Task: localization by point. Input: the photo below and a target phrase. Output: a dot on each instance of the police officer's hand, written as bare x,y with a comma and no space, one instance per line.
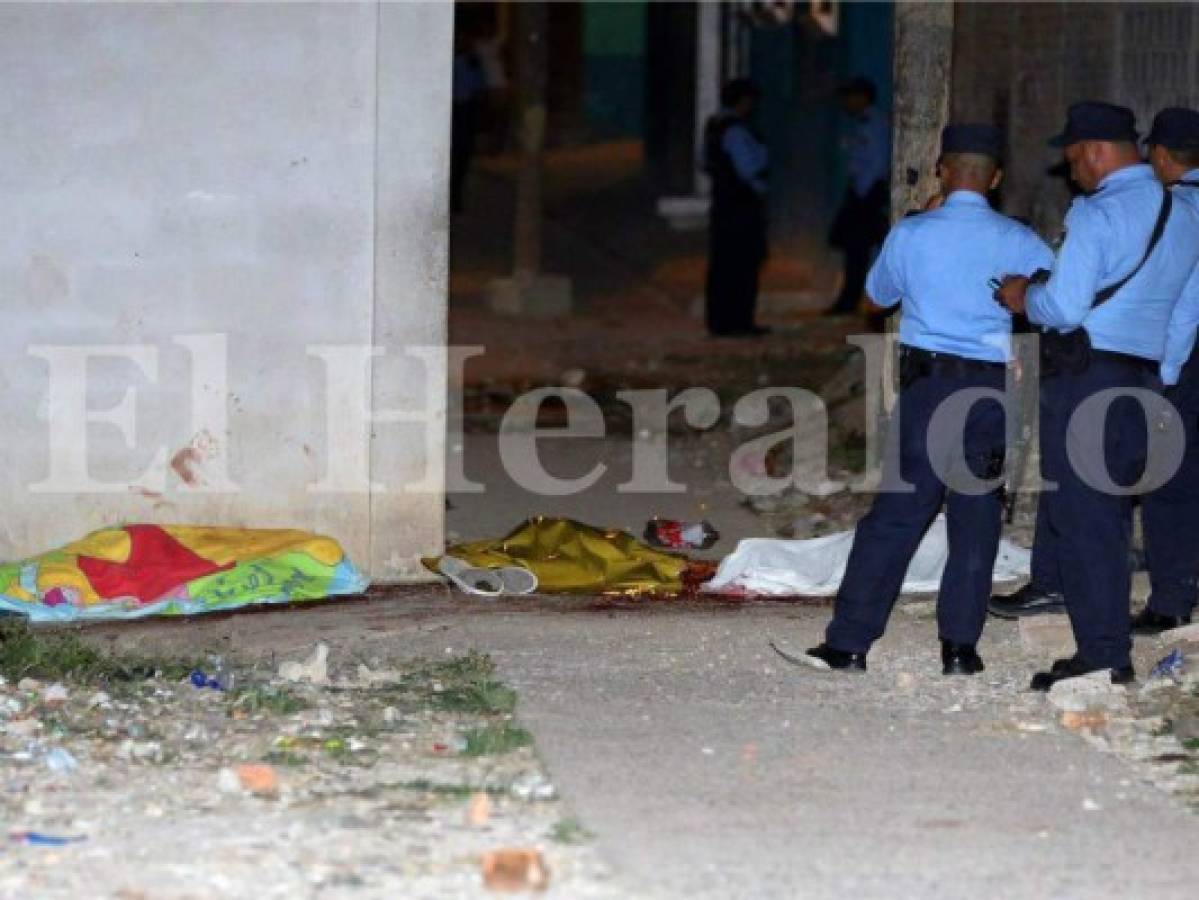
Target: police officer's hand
1011,293
934,202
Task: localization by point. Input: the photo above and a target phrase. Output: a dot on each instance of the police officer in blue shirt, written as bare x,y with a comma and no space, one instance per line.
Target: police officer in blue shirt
737,162
1104,312
861,222
953,338
1170,514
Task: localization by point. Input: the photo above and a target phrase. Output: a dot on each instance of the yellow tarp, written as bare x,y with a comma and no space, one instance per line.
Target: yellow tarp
568,556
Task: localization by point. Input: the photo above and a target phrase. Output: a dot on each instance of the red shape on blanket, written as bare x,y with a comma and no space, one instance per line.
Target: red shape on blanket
156,565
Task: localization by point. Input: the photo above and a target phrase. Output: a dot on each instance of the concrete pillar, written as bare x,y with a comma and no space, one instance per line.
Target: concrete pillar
923,60
207,195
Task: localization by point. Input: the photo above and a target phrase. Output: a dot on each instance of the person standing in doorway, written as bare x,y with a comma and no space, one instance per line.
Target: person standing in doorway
861,223
469,88
736,159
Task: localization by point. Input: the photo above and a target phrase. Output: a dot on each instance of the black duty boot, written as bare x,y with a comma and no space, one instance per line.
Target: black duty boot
1148,621
1073,668
960,659
1030,600
839,659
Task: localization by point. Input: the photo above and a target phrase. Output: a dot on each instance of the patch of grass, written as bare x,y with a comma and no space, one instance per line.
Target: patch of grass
497,739
570,831
1191,743
27,652
1190,768
485,696
266,699
464,684
450,791
288,758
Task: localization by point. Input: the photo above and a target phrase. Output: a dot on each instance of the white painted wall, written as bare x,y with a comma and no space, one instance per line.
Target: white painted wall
273,173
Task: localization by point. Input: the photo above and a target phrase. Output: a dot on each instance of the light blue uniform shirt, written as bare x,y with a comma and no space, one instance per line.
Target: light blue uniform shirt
939,262
748,154
1184,319
1106,236
869,158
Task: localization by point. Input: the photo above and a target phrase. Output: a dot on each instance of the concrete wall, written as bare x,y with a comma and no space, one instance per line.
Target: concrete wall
272,174
1021,64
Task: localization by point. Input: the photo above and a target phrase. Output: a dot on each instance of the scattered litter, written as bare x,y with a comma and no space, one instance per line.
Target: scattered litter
800,659
99,700
675,535
478,812
221,679
814,567
314,669
227,781
55,695
532,786
29,685
38,839
1090,719
61,761
515,870
199,678
1090,805
1169,666
141,570
259,779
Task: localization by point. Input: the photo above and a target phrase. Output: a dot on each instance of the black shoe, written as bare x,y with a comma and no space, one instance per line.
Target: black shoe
839,659
1074,667
1030,600
960,659
1147,621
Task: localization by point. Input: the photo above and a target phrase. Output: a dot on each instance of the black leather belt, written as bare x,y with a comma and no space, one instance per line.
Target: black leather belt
1127,359
946,363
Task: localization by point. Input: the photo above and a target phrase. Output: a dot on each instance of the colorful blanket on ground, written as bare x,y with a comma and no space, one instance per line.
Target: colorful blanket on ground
143,570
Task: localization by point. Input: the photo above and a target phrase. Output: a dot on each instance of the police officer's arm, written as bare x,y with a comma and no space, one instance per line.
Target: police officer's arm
1180,335
748,156
885,283
1064,301
1034,253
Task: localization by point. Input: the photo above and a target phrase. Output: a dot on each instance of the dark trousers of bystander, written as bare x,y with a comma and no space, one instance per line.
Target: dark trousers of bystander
887,537
736,251
1088,525
1170,513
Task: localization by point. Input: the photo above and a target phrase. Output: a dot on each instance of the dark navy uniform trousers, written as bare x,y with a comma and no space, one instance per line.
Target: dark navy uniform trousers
1083,527
887,537
1170,514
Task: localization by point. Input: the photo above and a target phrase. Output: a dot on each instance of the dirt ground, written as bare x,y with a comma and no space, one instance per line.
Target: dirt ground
695,762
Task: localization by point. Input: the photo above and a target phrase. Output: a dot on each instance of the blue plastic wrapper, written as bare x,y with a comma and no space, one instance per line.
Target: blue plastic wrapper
1169,666
37,839
201,679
